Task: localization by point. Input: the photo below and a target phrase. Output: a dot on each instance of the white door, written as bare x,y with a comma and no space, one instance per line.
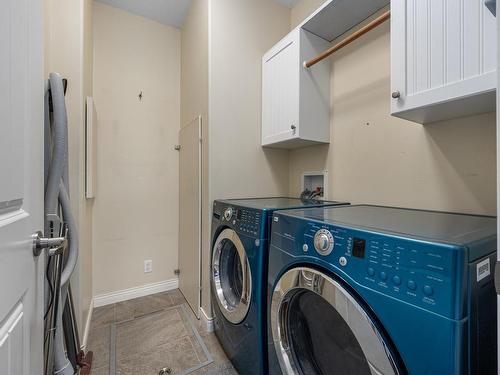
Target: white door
190,214
21,186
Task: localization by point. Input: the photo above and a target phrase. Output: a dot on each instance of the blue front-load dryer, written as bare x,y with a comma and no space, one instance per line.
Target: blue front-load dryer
379,290
240,231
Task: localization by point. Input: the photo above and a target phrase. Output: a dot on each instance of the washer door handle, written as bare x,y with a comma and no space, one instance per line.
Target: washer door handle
245,287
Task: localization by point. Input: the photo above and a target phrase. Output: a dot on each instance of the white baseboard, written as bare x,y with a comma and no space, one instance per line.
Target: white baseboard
208,321
86,330
140,291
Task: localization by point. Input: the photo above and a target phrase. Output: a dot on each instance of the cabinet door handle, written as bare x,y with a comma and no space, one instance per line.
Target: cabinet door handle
396,94
293,127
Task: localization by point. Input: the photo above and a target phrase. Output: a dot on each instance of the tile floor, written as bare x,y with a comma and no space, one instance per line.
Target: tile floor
149,333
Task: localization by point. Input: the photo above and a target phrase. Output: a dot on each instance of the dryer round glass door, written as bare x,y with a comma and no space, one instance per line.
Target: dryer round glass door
231,277
318,327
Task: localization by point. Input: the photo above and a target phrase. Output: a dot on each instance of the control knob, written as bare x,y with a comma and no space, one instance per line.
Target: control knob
323,242
228,213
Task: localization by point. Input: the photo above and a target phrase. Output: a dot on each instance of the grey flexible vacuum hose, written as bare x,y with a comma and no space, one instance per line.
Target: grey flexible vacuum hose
57,186
72,234
59,145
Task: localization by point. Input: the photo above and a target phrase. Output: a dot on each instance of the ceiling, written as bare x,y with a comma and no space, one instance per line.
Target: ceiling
168,12
288,3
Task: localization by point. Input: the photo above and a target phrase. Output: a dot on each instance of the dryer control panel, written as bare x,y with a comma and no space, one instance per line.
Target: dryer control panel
246,221
430,275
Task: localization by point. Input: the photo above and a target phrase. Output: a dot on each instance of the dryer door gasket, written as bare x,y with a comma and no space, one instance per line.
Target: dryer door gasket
231,276
318,327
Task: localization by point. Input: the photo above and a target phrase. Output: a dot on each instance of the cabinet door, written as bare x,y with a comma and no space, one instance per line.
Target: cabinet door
442,51
280,92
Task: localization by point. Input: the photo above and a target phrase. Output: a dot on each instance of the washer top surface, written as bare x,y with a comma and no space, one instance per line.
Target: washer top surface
452,228
279,203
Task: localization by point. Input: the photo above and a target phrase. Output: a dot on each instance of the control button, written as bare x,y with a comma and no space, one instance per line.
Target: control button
371,272
428,291
305,247
383,275
396,280
343,261
411,285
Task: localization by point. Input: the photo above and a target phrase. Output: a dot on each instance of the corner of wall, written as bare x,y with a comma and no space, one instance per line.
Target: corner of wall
302,10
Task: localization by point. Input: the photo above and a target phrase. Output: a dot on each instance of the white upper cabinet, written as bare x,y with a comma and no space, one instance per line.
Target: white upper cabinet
443,59
295,100
280,92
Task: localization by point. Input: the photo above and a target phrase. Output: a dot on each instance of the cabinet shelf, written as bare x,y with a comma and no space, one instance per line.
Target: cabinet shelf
335,17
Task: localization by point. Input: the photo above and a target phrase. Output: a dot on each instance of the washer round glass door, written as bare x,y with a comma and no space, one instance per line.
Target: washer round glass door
318,327
231,276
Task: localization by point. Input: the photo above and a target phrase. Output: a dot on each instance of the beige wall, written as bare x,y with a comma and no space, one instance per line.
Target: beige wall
303,9
68,50
243,168
136,204
194,63
194,100
241,31
379,159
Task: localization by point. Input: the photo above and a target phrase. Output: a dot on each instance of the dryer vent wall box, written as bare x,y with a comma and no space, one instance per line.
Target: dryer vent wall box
295,100
313,181
443,59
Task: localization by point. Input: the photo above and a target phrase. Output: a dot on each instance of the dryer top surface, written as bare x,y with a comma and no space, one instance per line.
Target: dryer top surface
453,228
279,203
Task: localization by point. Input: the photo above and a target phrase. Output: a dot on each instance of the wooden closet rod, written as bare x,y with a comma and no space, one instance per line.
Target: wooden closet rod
351,38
